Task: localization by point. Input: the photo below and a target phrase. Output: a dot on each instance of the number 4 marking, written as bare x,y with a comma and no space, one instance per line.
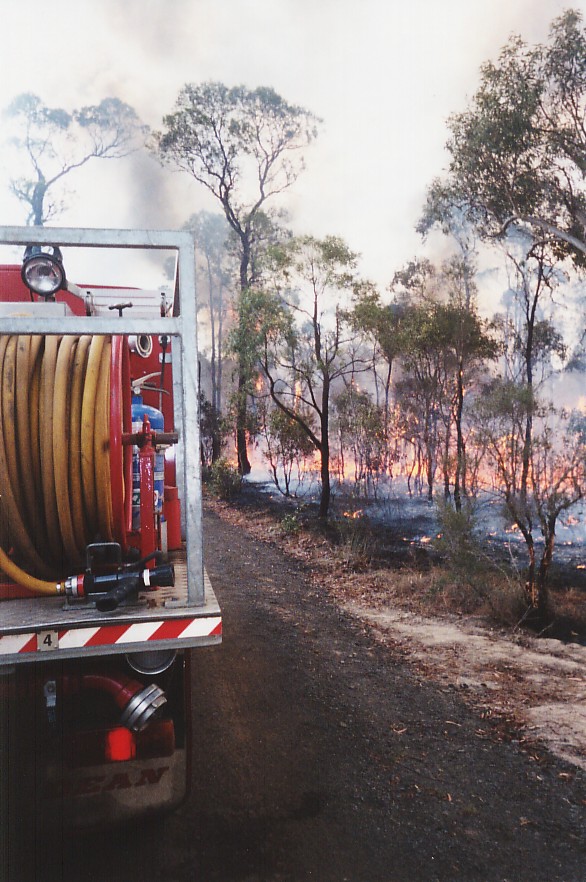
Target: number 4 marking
47,640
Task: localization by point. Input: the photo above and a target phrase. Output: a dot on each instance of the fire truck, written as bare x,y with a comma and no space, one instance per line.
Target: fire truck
103,592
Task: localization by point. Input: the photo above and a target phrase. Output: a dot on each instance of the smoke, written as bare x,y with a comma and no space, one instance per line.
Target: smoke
384,76
156,198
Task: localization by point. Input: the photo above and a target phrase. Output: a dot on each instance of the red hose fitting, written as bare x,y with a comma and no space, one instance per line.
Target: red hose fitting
122,689
138,703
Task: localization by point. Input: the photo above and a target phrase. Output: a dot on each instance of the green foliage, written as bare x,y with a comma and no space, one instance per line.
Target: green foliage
517,152
290,524
443,345
355,540
289,433
507,401
316,348
362,428
264,325
224,480
241,144
382,322
456,540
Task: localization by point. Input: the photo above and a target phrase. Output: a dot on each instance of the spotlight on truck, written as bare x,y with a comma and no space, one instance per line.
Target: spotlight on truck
42,271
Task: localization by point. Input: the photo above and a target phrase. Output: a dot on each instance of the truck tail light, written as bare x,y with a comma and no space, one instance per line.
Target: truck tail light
120,745
101,746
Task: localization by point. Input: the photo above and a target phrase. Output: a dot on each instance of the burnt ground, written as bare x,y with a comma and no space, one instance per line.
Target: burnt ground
321,753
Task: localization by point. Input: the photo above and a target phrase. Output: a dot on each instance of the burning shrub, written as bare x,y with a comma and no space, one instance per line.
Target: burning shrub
355,541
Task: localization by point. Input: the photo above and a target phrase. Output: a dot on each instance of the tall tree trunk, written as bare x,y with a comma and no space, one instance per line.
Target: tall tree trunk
446,462
530,585
388,457
212,332
324,502
38,201
460,473
218,400
542,592
244,466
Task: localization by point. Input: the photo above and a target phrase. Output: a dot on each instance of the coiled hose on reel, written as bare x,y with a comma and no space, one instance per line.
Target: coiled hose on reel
55,468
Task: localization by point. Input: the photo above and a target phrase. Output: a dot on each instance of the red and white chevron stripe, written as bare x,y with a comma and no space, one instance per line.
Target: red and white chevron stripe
111,635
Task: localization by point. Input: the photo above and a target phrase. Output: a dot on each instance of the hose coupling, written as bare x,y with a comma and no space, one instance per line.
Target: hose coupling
142,707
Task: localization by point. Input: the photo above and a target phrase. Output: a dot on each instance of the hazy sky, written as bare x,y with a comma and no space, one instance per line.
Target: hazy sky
383,75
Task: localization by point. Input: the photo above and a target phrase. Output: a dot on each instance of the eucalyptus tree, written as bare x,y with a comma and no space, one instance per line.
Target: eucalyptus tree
381,323
441,344
518,152
423,390
54,142
245,147
538,459
302,340
288,447
470,347
555,481
361,427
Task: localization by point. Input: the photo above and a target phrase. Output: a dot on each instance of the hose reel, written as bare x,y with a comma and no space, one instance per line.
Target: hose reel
65,474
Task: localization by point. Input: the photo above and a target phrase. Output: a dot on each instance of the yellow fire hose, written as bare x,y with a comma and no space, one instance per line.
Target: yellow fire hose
55,489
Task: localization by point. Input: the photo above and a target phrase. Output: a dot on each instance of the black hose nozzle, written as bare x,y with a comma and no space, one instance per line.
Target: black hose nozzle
162,576
109,601
111,589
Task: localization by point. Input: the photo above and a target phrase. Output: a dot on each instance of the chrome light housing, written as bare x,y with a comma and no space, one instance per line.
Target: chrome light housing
154,662
42,272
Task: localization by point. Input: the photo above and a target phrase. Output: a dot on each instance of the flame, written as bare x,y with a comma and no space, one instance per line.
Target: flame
354,515
297,390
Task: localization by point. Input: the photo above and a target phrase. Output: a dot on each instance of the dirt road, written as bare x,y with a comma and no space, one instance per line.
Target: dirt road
319,755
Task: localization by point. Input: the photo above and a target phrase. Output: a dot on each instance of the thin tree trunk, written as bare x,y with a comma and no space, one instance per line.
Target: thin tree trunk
460,473
542,592
218,401
244,466
324,502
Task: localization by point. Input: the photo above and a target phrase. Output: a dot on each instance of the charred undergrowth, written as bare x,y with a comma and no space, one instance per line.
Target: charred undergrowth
414,565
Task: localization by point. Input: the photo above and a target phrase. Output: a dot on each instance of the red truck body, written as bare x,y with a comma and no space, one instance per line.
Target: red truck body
94,681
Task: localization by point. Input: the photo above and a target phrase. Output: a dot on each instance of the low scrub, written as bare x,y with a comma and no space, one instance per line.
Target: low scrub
224,480
473,579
